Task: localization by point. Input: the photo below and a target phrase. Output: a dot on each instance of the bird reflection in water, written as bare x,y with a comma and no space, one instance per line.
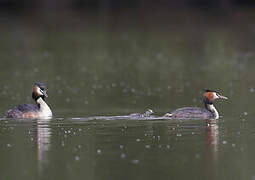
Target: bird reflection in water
42,140
212,139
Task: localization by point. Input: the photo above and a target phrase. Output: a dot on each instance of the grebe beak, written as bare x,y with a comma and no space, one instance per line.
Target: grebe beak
222,97
44,93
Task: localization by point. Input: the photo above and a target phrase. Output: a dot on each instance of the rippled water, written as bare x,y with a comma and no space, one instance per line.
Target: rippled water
116,149
100,67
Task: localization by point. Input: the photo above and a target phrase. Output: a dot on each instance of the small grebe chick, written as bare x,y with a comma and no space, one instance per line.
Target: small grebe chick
209,112
40,110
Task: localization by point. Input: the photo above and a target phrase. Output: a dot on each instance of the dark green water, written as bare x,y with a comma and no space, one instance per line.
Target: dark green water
109,64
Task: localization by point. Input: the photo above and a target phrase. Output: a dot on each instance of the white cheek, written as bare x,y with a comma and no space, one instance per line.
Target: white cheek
39,91
215,96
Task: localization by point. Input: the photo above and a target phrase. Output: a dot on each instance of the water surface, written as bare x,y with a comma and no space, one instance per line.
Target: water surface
109,65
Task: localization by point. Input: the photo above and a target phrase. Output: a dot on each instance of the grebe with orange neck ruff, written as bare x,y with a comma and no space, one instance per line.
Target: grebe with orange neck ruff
31,111
209,112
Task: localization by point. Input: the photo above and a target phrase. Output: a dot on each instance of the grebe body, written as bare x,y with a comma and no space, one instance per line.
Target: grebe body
209,112
30,111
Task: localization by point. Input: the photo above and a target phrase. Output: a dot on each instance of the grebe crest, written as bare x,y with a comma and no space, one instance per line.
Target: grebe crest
40,110
210,112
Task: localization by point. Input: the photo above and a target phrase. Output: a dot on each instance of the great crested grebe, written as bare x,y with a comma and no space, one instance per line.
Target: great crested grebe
40,110
209,112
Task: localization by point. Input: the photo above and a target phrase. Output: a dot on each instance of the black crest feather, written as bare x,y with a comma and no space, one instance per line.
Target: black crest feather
207,90
40,85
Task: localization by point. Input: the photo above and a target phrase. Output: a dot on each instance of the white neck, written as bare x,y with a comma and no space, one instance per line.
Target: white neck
211,108
44,110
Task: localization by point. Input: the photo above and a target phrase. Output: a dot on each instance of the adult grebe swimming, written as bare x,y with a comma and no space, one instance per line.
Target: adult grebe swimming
209,112
40,110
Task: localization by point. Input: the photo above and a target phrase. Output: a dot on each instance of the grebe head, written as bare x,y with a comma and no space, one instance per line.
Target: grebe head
210,96
39,90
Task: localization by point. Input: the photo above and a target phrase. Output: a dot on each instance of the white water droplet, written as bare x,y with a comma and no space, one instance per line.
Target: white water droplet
122,155
224,142
135,161
99,151
9,145
147,146
77,158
